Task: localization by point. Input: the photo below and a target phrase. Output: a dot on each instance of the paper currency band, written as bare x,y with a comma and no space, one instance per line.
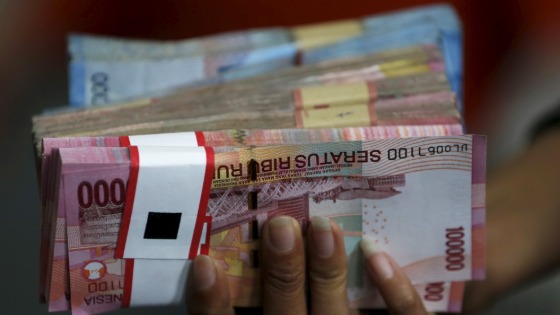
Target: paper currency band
315,97
149,282
363,114
128,275
188,139
153,225
202,219
129,201
140,278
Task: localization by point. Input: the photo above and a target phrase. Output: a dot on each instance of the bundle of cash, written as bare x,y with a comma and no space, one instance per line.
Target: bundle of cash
106,70
356,120
405,84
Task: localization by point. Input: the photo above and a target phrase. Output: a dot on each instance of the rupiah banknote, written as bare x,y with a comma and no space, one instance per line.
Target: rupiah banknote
446,20
407,63
367,187
361,110
103,81
279,105
302,104
394,78
105,70
54,270
84,46
383,90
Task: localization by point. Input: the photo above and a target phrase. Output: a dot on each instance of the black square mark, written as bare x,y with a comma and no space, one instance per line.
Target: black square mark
162,225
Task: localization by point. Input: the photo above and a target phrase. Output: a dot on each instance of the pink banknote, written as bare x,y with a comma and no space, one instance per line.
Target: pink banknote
354,183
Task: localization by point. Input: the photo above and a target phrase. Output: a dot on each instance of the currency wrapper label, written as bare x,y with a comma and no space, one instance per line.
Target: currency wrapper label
167,232
172,225
187,139
321,34
334,95
353,115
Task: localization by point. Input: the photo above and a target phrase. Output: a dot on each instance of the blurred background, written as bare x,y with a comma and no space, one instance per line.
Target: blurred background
512,78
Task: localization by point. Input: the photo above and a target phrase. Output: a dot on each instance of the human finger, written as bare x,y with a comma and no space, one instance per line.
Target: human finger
283,267
327,268
207,288
395,287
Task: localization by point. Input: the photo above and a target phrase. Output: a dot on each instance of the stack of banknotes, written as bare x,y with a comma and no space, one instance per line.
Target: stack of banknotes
174,149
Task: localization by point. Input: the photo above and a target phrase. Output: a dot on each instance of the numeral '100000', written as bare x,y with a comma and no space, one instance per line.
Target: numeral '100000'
455,252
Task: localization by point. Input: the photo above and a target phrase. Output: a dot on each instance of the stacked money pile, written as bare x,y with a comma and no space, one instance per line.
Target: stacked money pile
359,121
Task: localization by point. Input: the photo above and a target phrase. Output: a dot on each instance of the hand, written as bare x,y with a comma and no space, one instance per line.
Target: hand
395,287
284,274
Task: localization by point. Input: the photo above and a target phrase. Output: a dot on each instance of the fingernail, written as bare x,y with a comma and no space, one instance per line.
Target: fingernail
376,258
281,233
323,239
204,273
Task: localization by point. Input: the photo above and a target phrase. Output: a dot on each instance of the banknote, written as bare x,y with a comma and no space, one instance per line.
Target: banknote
259,61
386,64
392,174
427,32
209,55
443,15
444,297
84,46
441,113
375,98
54,264
424,33
102,81
304,73
354,105
274,109
101,66
373,72
446,20
322,34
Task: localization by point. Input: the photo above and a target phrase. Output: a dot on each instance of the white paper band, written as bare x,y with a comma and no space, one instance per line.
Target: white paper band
159,282
166,202
186,139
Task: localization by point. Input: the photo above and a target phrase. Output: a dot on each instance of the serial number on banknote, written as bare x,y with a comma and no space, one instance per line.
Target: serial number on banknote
403,153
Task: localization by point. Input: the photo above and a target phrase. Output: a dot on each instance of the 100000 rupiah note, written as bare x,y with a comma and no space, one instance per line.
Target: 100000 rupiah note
55,270
398,191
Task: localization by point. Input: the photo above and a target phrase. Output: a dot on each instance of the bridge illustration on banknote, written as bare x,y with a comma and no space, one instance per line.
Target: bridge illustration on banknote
232,207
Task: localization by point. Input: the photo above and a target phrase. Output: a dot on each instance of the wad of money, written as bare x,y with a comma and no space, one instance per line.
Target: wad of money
359,121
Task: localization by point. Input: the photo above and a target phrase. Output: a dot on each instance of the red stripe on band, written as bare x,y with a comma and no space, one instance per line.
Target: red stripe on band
201,217
205,248
129,202
298,99
298,116
200,138
124,141
128,275
372,113
372,91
